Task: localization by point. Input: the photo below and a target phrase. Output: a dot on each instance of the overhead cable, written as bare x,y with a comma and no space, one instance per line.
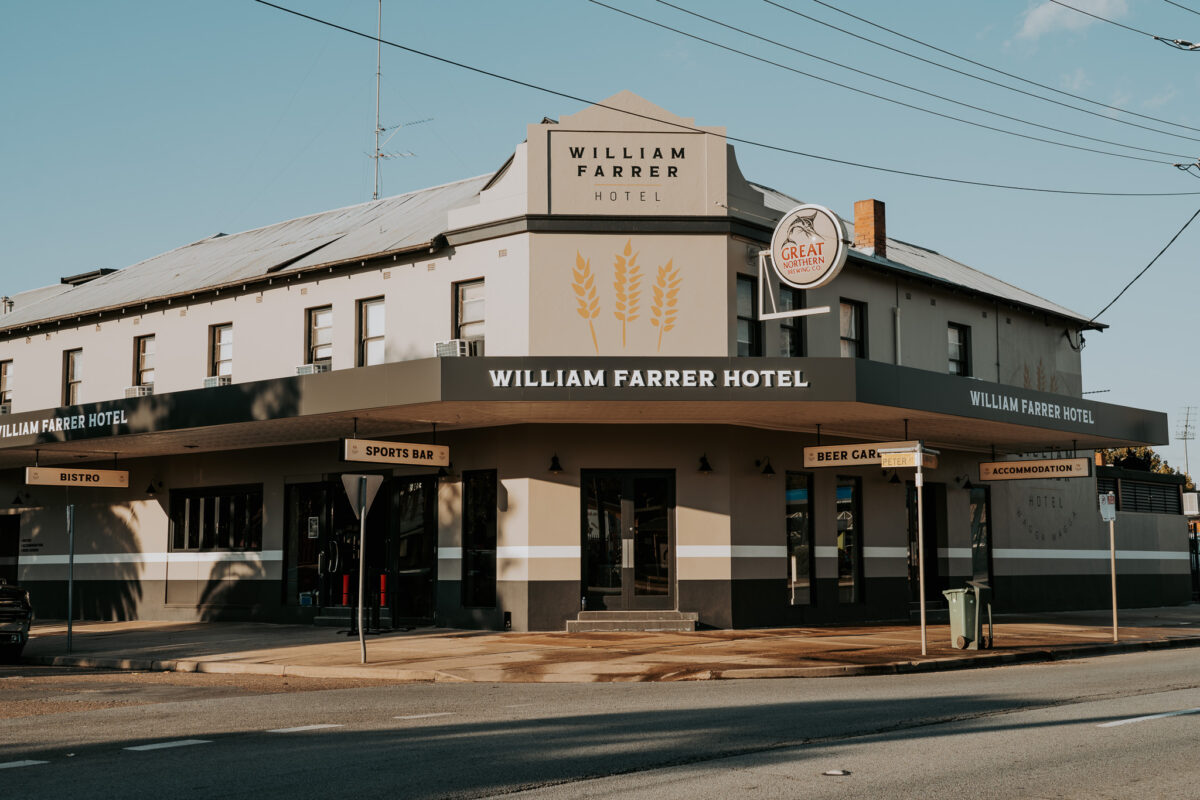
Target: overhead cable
1148,266
726,137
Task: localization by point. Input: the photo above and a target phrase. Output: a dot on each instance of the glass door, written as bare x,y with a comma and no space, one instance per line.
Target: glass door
628,539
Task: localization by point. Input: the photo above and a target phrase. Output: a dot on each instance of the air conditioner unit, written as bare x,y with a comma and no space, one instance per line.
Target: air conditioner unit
312,369
144,390
6,408
455,348
213,381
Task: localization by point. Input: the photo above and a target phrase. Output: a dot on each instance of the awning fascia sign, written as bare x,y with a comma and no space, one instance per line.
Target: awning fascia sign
62,476
840,455
380,452
1035,468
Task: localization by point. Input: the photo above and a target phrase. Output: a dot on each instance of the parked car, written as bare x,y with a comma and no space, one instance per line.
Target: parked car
16,615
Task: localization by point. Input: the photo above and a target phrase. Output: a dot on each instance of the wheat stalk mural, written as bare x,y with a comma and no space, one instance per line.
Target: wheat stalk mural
666,298
585,294
627,284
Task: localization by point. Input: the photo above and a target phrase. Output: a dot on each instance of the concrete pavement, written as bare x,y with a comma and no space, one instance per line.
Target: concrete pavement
433,654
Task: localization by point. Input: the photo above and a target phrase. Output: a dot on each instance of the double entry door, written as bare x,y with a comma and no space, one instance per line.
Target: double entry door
628,530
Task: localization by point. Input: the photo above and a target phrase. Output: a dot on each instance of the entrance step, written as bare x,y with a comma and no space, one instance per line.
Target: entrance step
590,621
339,617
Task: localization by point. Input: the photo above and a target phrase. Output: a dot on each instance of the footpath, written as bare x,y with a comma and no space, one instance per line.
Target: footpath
439,654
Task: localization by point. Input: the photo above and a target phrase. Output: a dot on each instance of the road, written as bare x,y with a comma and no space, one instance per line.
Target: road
1025,732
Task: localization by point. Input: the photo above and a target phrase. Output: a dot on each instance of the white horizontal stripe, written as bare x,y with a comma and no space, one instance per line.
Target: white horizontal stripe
165,745
26,763
1115,723
759,551
300,728
428,716
703,551
538,551
954,552
154,558
1164,555
449,553
885,552
825,551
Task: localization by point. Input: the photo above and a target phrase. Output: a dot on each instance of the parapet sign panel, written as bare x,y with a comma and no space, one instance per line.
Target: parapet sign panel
427,455
52,476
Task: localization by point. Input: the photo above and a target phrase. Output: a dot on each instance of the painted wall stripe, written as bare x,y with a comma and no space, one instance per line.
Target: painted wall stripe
703,551
954,552
825,551
538,551
885,552
449,553
759,551
35,559
1155,555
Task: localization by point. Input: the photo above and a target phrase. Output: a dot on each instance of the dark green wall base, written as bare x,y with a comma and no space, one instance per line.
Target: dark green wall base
1081,592
765,603
711,599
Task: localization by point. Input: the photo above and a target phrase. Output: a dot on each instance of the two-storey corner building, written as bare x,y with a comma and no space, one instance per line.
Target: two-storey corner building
582,331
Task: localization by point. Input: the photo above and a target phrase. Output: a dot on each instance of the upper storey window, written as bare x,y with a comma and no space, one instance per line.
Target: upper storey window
72,362
143,360
853,328
959,343
469,313
319,345
749,329
370,332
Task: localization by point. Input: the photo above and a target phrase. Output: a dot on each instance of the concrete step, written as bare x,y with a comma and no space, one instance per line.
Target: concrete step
591,621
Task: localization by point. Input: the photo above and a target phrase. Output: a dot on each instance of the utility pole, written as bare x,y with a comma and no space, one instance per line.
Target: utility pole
1185,433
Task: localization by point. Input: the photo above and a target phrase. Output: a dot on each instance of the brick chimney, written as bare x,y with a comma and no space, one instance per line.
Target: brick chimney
870,227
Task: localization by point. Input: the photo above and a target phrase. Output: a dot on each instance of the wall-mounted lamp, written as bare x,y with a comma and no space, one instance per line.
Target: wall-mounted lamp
895,477
20,500
555,466
444,474
705,467
964,481
152,488
767,469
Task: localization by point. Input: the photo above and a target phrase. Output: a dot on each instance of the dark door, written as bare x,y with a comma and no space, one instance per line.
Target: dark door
1194,544
10,547
628,530
410,584
934,503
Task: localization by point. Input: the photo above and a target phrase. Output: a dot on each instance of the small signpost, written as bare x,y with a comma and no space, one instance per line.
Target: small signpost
360,491
1108,513
67,477
915,454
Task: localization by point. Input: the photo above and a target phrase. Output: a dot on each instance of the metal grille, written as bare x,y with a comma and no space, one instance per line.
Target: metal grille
1152,498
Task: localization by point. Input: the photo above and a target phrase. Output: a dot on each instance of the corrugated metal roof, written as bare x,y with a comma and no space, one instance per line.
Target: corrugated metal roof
360,231
929,264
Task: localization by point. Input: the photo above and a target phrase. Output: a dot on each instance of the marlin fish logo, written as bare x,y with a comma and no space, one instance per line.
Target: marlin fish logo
803,226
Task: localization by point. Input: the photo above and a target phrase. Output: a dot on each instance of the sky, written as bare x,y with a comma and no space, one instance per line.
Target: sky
131,127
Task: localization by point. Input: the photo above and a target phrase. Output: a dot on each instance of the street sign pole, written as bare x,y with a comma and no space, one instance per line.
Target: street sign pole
362,560
921,550
70,571
915,454
1108,513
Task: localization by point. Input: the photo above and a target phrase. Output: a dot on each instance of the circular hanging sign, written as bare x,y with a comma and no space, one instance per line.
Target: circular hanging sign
808,247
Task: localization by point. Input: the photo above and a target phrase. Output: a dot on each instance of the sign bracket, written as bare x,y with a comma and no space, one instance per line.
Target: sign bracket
775,313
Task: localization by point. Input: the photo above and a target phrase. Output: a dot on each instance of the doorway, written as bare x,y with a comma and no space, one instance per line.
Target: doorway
934,524
628,533
10,547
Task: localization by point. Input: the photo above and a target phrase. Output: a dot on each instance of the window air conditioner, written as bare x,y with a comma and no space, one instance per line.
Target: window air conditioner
144,390
312,369
455,348
6,408
213,381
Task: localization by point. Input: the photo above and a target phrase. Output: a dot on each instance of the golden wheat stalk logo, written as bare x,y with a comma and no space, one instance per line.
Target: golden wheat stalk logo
627,284
585,294
666,297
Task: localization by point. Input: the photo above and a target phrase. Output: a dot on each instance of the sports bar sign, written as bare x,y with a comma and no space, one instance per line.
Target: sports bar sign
55,476
843,454
1038,468
427,455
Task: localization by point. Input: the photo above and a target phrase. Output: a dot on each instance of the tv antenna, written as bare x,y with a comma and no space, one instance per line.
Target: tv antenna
1186,432
379,155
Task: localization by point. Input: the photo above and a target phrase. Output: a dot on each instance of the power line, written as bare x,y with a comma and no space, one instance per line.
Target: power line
991,69
1147,267
1105,19
726,137
906,86
1185,8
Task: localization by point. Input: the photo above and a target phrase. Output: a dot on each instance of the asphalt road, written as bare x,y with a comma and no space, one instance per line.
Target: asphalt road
1027,731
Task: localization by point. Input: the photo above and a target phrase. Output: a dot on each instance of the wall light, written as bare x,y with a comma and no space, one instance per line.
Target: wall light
895,477
152,488
767,469
555,466
705,467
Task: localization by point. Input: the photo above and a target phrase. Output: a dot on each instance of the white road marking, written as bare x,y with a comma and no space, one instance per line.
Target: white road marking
427,716
304,728
10,764
165,745
1115,723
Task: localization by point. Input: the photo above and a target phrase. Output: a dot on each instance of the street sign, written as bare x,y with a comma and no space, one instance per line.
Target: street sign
357,499
63,476
897,460
1108,506
839,455
428,455
1035,468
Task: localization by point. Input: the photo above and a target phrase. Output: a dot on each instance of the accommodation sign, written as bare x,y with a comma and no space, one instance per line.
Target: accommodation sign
848,454
428,455
55,476
1038,468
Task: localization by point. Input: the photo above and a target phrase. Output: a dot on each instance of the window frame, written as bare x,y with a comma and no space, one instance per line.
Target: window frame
859,339
457,316
139,365
474,557
70,376
214,495
857,584
6,373
797,325
809,479
214,353
964,343
361,334
754,345
310,329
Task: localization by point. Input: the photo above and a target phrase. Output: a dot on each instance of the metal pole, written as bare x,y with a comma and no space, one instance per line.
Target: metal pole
70,571
378,74
362,560
1112,563
921,545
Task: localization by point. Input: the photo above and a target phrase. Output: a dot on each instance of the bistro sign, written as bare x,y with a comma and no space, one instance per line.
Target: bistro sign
54,476
808,247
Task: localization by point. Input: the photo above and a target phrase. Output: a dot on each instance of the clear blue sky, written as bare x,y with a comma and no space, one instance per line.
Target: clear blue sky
132,127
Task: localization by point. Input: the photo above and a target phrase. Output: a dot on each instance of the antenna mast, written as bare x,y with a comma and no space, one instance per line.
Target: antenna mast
378,74
1185,433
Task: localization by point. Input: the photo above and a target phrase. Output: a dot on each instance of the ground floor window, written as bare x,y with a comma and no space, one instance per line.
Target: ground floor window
849,539
798,510
981,535
479,539
217,518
